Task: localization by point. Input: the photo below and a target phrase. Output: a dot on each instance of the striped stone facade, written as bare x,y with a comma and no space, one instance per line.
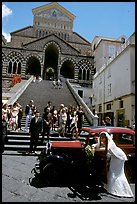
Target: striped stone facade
53,43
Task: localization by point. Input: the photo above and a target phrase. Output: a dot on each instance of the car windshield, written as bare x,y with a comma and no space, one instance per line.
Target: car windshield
122,138
83,132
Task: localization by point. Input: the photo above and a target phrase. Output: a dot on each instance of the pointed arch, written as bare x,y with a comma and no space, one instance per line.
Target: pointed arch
84,70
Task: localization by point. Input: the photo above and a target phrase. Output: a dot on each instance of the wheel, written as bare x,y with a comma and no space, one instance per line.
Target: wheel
51,173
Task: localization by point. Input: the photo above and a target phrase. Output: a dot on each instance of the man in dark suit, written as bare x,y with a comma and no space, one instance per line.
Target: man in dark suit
35,131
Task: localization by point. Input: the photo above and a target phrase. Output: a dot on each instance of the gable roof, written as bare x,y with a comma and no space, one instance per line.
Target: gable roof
81,37
53,5
47,37
22,29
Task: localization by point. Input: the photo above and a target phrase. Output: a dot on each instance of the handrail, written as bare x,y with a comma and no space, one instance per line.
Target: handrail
93,119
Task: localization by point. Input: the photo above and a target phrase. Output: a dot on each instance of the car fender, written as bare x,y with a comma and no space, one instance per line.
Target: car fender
56,159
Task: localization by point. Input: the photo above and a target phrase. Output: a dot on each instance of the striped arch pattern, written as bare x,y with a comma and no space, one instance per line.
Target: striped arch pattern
84,70
3,57
68,59
33,55
4,63
53,43
15,61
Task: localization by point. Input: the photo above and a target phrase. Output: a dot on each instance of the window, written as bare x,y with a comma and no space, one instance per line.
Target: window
109,106
109,89
88,74
123,40
109,73
14,68
100,108
10,67
123,138
84,74
90,100
80,74
65,36
121,104
80,93
19,68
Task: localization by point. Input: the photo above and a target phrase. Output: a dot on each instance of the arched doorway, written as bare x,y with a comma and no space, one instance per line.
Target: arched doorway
67,69
33,66
51,62
50,72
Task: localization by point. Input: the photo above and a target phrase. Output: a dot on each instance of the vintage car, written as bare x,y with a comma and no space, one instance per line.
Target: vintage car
73,161
70,162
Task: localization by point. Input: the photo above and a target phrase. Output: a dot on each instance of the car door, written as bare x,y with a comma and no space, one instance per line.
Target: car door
101,161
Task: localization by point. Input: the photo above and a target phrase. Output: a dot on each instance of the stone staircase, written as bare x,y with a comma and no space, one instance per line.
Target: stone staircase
19,142
41,93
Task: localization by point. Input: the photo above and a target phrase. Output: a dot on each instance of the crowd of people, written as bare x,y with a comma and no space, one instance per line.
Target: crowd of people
64,120
12,115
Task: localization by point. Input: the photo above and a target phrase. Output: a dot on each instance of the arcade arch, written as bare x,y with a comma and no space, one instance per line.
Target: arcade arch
33,66
50,69
67,69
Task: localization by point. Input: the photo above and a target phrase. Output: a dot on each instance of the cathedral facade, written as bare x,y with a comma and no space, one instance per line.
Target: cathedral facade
50,48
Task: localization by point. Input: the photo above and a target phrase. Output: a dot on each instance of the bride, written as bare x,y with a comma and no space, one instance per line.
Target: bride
117,183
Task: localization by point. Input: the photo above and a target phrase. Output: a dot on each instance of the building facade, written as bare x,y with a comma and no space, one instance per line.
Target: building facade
49,48
114,86
104,48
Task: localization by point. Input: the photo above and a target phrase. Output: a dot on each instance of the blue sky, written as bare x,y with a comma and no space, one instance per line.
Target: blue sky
107,19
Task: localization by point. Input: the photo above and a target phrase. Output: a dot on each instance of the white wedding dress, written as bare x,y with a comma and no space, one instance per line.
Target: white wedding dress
117,183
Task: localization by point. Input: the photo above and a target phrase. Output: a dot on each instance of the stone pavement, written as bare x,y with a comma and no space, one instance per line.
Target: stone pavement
16,171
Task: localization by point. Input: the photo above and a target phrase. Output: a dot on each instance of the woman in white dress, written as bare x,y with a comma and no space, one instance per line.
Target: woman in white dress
117,183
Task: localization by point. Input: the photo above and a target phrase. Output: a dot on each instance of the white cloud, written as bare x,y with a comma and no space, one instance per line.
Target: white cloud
5,11
7,36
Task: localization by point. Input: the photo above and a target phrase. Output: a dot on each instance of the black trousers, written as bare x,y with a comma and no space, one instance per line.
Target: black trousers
33,142
46,130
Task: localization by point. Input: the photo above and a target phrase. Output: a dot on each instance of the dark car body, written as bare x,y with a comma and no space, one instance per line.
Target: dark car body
67,160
